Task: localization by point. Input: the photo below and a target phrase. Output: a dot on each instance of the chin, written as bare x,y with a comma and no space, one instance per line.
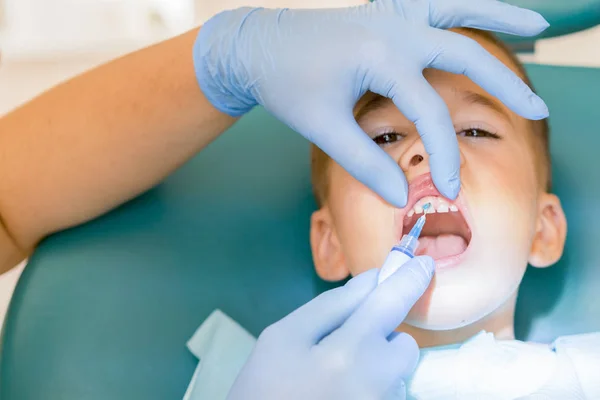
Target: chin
457,306
442,323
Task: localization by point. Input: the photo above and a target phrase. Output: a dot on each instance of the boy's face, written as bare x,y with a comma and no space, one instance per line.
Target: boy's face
483,241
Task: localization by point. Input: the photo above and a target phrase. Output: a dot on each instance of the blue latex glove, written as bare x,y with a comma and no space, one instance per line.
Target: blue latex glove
342,344
310,67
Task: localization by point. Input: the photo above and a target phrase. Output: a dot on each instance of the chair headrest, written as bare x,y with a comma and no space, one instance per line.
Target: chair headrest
229,230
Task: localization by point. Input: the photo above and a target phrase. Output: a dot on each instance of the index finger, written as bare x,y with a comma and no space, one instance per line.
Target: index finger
422,105
342,139
388,305
490,15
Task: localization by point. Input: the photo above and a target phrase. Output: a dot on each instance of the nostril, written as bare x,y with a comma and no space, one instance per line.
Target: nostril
416,160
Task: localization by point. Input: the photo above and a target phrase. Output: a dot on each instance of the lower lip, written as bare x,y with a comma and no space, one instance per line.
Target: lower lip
451,261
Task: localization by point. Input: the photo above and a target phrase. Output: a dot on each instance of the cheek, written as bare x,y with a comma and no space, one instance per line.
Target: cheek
504,176
364,223
502,191
500,195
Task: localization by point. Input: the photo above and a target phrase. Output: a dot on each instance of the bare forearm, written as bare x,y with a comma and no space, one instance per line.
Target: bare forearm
100,139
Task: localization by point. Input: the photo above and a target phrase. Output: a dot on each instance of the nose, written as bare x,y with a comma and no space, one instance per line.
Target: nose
415,160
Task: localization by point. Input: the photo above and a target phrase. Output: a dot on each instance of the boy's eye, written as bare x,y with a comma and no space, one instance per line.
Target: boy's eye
387,138
478,133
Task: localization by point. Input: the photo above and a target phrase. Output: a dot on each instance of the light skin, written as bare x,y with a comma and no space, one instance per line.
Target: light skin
513,220
98,140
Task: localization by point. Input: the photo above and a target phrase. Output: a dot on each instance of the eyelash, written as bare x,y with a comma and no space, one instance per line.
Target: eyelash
386,138
485,134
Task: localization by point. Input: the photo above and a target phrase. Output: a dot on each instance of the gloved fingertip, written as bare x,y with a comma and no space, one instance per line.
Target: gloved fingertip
540,108
396,193
406,341
363,281
397,198
454,184
445,172
417,273
542,22
427,263
397,391
407,346
401,191
533,22
451,188
400,201
384,177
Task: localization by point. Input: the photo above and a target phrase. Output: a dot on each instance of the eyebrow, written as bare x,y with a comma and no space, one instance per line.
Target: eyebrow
376,103
475,98
467,96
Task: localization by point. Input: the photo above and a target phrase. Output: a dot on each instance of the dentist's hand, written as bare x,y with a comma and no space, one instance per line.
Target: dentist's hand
341,345
310,67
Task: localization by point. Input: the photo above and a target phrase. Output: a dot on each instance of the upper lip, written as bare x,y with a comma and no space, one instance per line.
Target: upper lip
420,187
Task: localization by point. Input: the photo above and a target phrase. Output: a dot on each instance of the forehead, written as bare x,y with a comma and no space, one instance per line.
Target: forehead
457,90
442,77
488,44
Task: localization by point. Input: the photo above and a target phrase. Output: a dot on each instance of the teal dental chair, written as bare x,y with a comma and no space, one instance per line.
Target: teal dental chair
103,311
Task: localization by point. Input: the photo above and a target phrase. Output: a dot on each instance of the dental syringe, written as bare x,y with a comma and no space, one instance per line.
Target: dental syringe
403,251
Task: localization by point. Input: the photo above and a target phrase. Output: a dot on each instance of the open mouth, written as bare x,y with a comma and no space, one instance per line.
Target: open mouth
446,234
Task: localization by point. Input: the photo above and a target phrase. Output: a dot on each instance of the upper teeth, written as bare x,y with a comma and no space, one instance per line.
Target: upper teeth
438,204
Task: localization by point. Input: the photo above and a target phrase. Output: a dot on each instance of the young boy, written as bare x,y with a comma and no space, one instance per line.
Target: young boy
504,218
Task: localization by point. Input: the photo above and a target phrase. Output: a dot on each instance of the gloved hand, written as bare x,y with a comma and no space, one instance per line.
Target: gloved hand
342,344
309,68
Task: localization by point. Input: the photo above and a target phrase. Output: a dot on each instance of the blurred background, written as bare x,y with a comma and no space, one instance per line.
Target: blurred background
43,42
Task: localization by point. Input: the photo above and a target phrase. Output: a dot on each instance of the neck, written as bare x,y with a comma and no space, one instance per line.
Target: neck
499,322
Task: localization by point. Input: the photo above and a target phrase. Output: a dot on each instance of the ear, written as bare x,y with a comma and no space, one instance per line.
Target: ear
551,231
326,250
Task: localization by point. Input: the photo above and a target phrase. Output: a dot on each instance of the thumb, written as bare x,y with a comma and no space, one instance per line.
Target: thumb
328,311
397,391
342,139
431,117
389,304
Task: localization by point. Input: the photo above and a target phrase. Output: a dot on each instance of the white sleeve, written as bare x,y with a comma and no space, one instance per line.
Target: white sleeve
583,352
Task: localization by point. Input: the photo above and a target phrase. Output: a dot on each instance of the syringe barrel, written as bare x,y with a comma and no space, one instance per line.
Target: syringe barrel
395,259
409,244
402,252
